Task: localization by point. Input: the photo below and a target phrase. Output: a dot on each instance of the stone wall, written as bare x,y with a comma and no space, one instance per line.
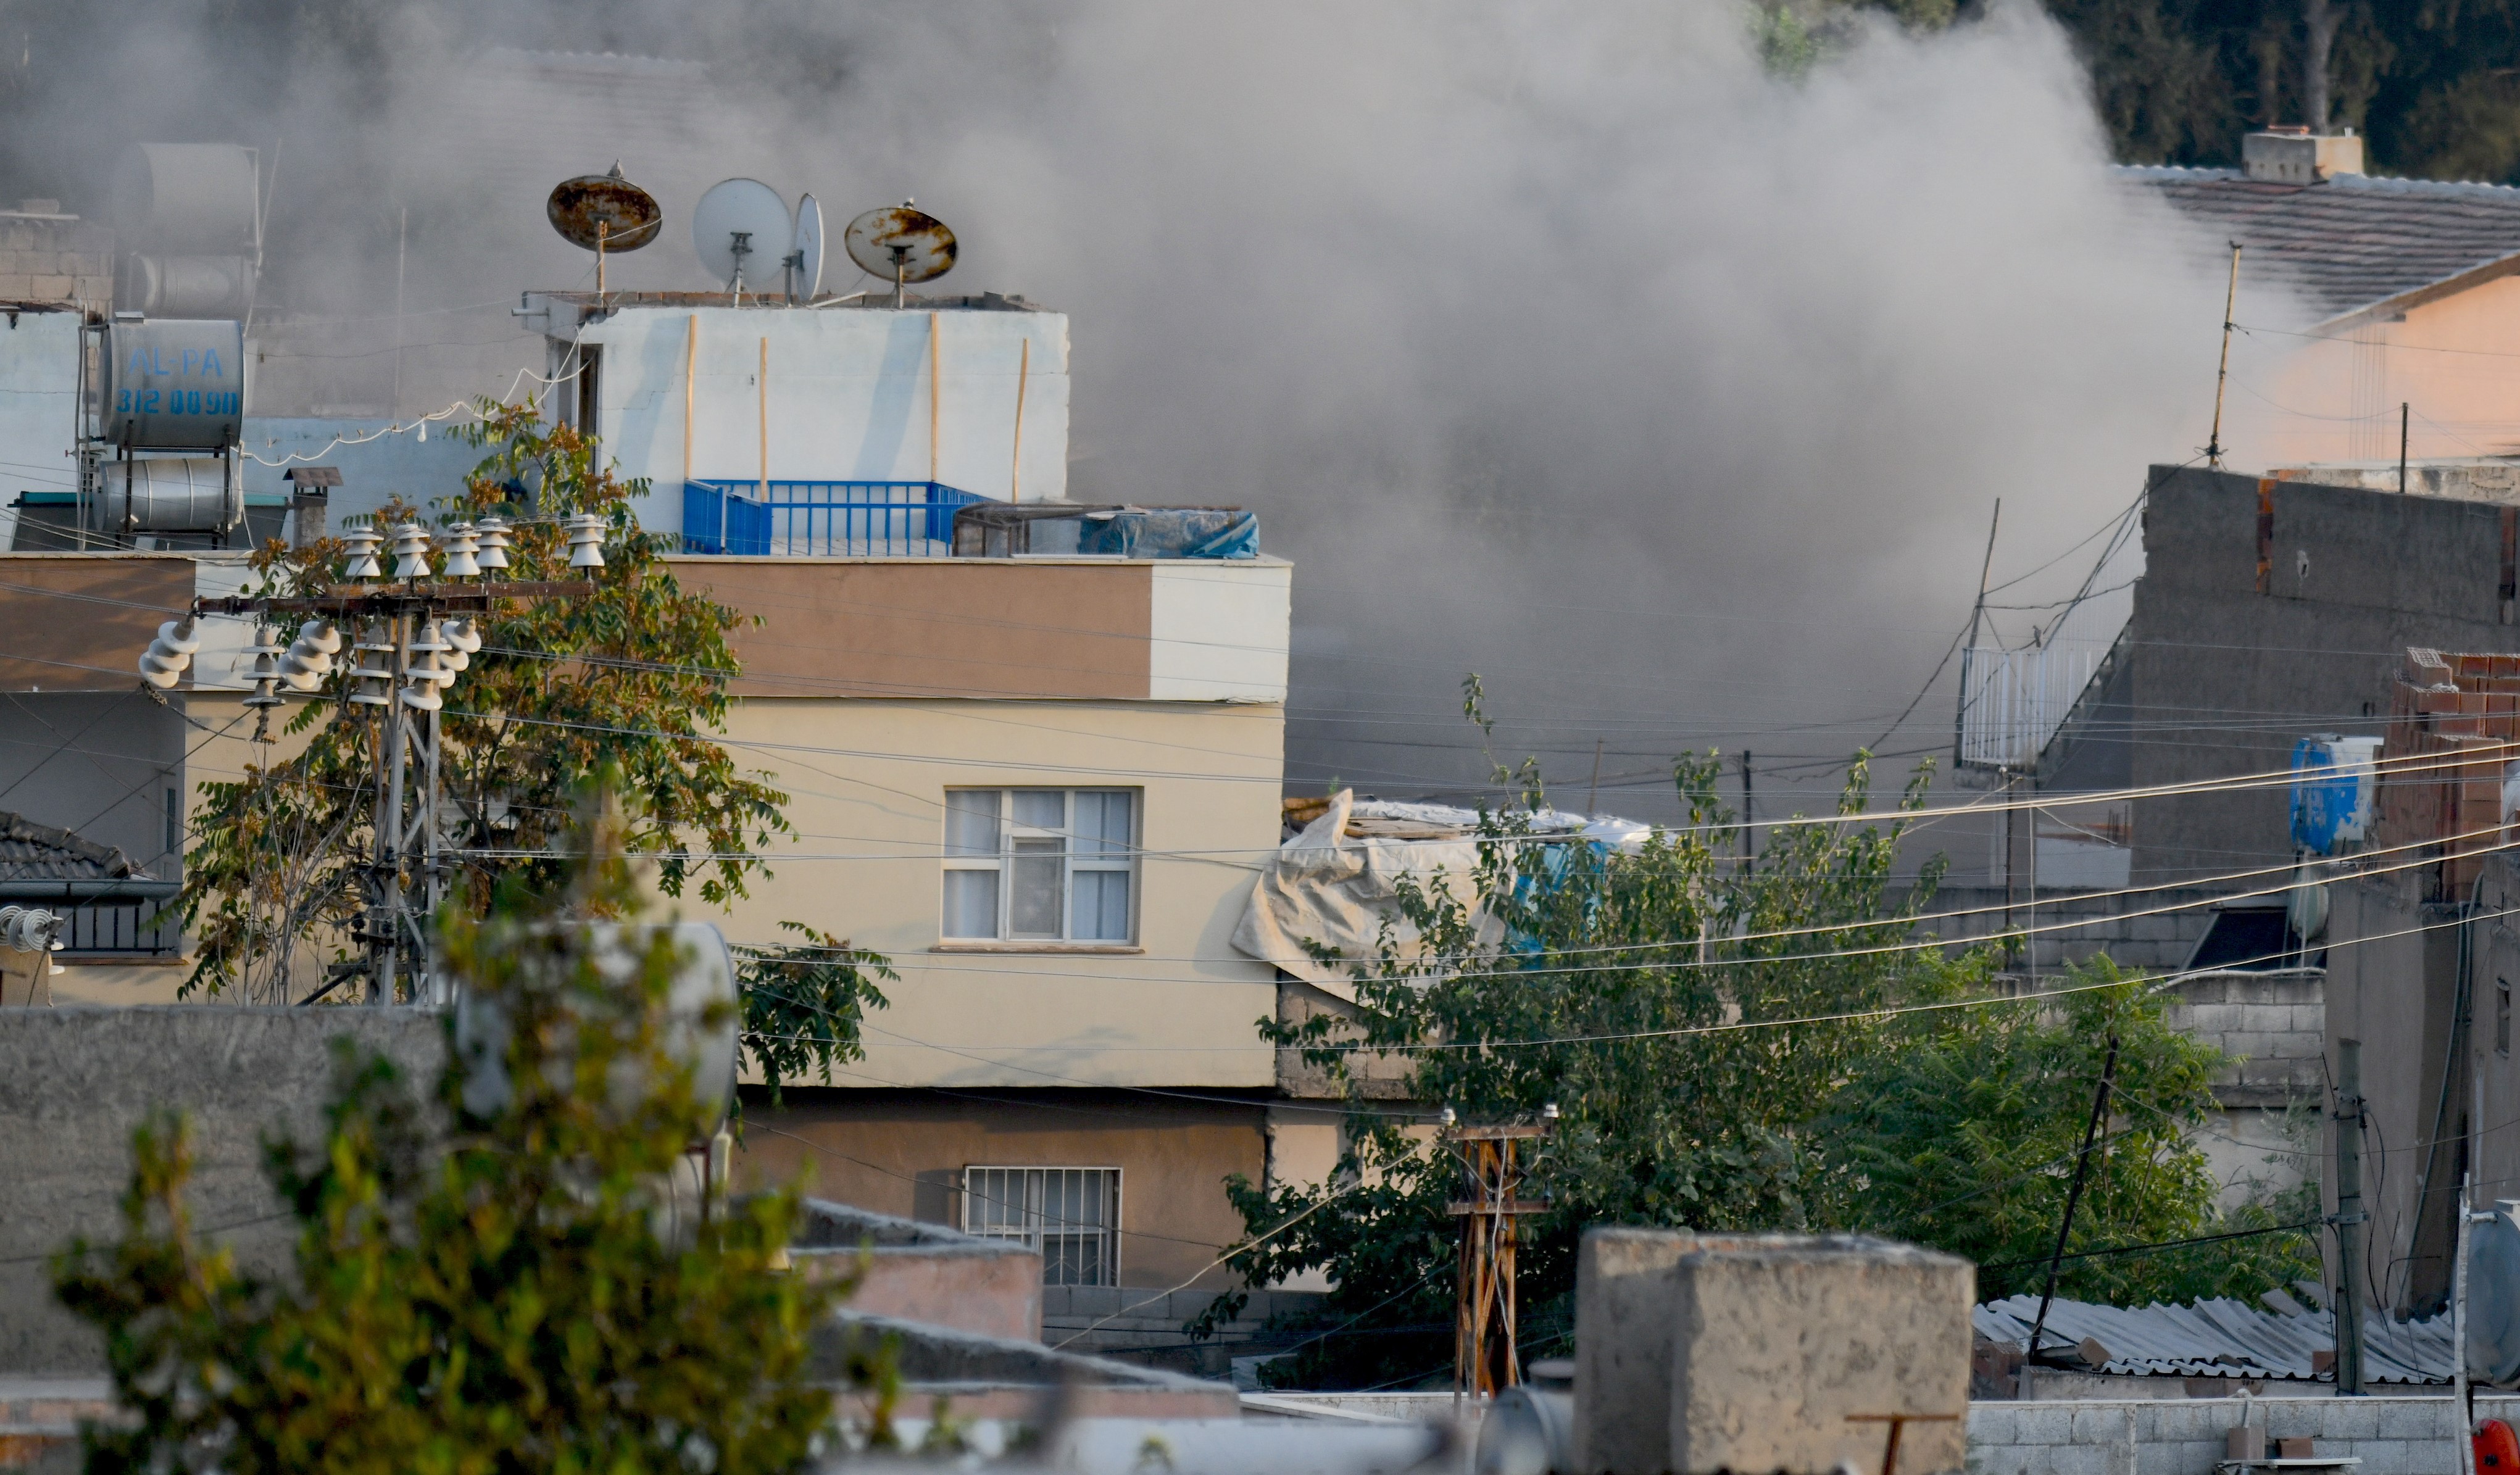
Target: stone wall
46,256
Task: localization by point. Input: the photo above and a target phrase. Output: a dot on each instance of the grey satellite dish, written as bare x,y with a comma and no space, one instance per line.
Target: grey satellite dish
742,230
901,246
2494,1297
806,262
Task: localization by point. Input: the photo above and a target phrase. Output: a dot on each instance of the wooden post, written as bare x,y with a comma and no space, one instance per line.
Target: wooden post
1023,378
690,375
1484,1358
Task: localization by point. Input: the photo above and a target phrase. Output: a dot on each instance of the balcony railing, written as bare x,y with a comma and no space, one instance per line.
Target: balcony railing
883,520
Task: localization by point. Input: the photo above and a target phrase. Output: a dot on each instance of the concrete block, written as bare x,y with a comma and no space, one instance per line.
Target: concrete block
17,286
1778,1340
2417,1418
1623,1305
2002,1459
2249,1044
2353,1418
2057,1459
2043,1424
2398,1457
49,288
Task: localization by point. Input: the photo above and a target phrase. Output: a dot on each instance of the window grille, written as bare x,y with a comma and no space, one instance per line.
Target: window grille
1070,1215
1040,864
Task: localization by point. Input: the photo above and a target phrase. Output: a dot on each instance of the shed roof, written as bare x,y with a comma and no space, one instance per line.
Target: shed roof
2223,1338
32,852
2352,242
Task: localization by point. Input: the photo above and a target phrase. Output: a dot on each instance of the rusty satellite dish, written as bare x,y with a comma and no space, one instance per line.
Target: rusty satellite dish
901,246
604,210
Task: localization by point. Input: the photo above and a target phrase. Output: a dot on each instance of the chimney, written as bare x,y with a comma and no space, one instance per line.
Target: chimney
2290,153
310,496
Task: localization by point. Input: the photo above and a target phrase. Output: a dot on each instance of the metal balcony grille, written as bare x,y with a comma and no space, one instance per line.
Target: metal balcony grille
883,520
1070,1215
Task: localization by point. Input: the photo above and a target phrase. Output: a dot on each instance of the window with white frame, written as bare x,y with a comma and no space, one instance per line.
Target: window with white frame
1070,1215
1040,864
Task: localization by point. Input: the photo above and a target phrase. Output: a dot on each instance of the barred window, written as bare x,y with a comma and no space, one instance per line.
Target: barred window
1070,1215
1040,864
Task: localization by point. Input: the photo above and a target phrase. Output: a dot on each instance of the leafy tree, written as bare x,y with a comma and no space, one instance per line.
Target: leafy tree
1733,1044
630,680
480,1286
631,677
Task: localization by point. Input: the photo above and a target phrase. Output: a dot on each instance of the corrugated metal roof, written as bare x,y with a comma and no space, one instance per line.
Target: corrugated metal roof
2353,240
2222,1339
32,852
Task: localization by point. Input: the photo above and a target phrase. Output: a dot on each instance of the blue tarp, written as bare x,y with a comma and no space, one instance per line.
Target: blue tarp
1172,532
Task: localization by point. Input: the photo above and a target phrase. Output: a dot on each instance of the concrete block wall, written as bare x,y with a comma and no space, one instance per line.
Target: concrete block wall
1150,1335
2156,942
2388,1435
2276,1022
55,258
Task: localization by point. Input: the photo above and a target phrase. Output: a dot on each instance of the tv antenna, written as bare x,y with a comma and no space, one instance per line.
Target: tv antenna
733,215
901,245
805,262
604,213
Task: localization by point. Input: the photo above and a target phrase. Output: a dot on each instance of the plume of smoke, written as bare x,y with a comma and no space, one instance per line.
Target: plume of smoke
1567,345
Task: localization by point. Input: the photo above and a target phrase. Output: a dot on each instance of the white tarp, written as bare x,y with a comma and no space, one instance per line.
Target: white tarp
1339,889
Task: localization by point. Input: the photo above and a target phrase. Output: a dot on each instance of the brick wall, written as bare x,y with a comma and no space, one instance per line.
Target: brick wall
55,258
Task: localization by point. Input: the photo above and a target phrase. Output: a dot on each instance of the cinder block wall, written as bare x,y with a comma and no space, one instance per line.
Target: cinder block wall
58,259
2388,1435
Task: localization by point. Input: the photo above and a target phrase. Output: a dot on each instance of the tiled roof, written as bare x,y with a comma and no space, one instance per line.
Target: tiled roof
2353,240
32,852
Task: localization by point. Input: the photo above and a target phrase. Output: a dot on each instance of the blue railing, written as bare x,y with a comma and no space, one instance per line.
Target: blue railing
891,520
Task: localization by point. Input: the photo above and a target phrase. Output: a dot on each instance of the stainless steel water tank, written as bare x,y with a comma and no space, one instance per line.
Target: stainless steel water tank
193,200
170,494
186,286
174,386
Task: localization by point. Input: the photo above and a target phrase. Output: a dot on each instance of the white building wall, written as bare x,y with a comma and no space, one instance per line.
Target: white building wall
39,358
847,398
1218,630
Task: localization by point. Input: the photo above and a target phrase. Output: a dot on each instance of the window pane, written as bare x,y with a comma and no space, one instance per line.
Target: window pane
1103,824
1101,905
970,904
972,822
1041,808
1033,900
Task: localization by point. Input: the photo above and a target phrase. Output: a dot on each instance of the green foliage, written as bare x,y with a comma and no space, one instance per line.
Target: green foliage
1734,1044
630,679
507,1291
1963,1134
803,1004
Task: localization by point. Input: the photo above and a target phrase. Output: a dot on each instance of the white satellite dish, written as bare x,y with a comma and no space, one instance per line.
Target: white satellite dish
742,230
806,262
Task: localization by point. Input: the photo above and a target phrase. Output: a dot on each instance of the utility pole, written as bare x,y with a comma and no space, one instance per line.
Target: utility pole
2350,1218
1977,616
1749,811
2073,1197
1483,1314
412,635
